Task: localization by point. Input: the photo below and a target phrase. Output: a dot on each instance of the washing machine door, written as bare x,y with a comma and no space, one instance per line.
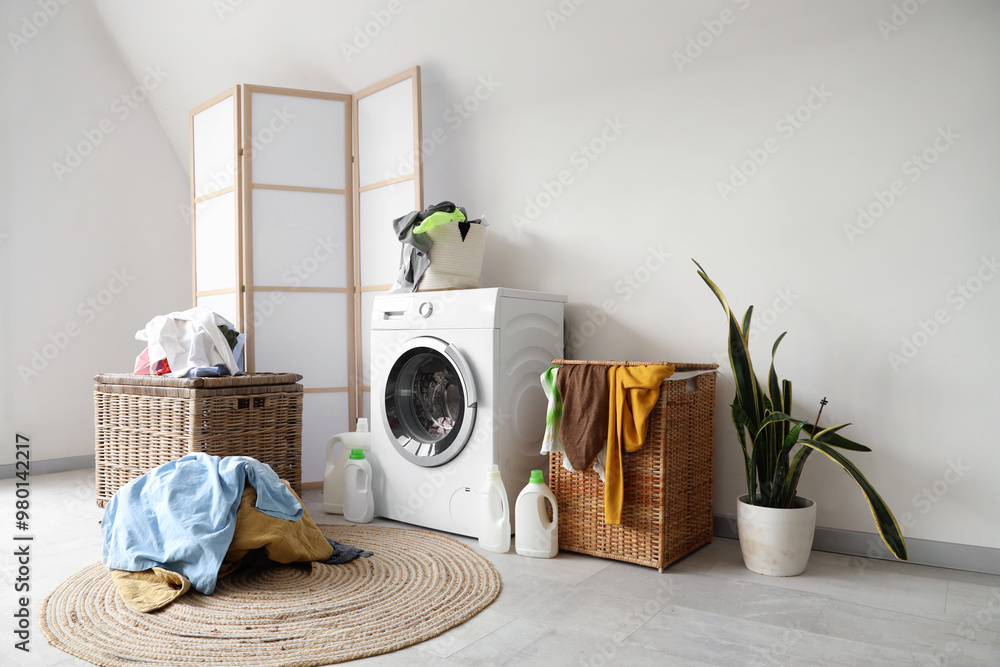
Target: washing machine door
430,402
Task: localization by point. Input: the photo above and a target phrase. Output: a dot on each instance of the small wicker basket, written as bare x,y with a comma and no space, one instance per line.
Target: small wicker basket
667,510
142,421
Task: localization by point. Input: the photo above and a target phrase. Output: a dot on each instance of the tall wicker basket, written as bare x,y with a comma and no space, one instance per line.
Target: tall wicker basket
667,511
142,421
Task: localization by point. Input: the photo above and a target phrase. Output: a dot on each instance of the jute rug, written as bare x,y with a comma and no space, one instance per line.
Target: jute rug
415,586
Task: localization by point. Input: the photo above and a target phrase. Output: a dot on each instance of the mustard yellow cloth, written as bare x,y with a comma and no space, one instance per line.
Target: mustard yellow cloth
150,589
284,542
634,391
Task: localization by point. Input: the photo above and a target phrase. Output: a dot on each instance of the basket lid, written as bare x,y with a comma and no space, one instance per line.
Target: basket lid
245,380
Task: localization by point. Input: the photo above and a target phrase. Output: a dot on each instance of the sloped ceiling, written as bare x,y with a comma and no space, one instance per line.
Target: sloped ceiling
207,47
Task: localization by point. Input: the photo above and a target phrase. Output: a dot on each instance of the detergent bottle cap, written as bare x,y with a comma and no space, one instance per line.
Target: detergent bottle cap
493,472
536,477
357,453
362,426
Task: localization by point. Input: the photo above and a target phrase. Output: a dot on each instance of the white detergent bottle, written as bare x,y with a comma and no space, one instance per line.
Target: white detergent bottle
359,504
537,536
336,461
494,514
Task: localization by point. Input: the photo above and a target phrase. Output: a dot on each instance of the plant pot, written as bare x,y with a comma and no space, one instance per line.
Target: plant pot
776,542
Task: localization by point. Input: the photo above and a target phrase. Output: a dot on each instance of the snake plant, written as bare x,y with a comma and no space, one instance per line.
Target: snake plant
776,445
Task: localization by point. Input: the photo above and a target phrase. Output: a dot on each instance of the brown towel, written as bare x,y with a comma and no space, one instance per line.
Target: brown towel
584,426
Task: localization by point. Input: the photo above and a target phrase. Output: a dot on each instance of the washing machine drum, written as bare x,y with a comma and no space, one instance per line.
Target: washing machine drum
430,402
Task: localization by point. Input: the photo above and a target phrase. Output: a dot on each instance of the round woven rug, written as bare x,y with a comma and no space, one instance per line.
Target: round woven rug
415,586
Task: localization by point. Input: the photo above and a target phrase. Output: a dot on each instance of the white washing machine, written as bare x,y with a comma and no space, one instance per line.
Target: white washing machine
455,388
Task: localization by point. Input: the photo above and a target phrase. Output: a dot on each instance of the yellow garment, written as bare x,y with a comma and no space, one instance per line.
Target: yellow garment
634,391
284,542
150,589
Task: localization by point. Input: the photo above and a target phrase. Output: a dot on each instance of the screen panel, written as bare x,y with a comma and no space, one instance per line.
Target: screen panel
216,206
385,134
300,239
299,140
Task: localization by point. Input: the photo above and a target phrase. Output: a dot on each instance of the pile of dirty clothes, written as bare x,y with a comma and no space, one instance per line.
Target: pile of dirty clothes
192,343
193,520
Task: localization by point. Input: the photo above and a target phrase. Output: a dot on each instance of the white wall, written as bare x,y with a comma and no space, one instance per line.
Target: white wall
778,241
93,248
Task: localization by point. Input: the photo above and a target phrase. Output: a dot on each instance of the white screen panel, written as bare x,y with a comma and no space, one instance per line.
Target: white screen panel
385,134
214,148
367,300
302,332
324,415
223,304
215,243
298,141
380,249
299,239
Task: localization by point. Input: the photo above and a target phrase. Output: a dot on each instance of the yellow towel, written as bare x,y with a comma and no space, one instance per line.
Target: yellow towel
150,589
634,391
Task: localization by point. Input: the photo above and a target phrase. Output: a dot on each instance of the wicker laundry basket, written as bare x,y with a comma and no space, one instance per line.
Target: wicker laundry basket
667,510
142,421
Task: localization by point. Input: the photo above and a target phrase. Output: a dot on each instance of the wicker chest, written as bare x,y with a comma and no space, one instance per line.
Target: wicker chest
143,421
667,510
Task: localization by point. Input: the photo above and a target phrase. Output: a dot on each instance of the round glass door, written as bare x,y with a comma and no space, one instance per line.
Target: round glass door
430,404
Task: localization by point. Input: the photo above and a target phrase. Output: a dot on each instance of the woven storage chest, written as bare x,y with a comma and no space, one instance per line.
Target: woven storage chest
667,511
142,421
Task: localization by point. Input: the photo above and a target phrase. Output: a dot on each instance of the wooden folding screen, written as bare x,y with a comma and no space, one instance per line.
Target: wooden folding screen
293,197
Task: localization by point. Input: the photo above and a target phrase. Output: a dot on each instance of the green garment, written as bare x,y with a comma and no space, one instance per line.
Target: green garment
438,219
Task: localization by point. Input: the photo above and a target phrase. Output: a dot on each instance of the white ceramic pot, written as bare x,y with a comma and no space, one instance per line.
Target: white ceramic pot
776,542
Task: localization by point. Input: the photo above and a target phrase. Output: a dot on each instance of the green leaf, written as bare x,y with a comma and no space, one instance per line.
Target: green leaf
788,491
746,320
740,422
831,437
885,522
748,390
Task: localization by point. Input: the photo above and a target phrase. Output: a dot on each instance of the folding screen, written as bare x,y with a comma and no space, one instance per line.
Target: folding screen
294,247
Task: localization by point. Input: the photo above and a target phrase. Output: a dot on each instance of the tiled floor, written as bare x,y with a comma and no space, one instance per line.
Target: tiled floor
706,609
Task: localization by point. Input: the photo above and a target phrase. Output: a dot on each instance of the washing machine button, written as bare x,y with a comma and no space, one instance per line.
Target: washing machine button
426,308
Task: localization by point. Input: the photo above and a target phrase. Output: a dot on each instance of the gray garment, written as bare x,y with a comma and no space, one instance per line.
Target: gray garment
414,258
343,553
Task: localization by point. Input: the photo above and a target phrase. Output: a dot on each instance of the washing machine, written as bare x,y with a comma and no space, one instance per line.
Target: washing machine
455,388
